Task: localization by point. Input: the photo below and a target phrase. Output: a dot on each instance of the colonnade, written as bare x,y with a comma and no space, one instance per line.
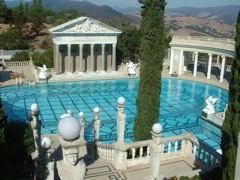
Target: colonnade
80,62
179,61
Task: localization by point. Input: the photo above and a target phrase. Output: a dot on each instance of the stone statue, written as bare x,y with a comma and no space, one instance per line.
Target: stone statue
43,73
70,168
209,108
131,69
69,113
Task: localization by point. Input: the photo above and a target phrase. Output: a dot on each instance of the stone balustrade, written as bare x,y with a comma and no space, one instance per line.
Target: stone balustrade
17,64
105,151
138,153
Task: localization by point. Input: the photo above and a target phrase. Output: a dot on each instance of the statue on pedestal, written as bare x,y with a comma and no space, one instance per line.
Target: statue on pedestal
209,108
131,69
70,168
43,73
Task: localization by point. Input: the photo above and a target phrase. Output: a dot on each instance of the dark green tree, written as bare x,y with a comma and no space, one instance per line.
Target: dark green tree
231,124
152,52
3,124
12,39
20,56
4,13
19,18
36,17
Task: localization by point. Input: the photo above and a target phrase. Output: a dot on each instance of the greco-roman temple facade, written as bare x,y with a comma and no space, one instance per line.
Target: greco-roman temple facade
84,45
185,49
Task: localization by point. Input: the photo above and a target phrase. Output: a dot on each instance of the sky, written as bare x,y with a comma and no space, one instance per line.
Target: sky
170,3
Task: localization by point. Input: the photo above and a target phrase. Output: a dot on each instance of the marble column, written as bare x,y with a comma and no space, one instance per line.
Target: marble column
103,57
180,66
195,64
81,57
209,66
222,69
171,61
206,63
114,57
92,58
57,58
69,58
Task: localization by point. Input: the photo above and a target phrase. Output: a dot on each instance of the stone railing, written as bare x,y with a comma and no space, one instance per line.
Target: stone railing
105,151
126,155
224,40
17,64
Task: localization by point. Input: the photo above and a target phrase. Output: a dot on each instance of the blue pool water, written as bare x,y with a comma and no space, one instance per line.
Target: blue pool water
181,105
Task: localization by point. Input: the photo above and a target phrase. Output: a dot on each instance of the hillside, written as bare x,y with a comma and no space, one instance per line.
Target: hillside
198,27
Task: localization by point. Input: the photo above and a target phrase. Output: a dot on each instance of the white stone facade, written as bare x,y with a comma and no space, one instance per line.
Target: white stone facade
184,47
84,45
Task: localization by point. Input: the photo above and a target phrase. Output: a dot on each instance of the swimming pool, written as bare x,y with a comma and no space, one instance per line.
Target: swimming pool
181,105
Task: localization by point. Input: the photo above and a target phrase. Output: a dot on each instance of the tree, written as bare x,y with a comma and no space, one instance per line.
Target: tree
4,12
231,124
152,52
36,16
20,56
12,39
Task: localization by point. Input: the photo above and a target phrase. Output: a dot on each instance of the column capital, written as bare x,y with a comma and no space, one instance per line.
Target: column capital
196,53
92,45
222,56
81,45
209,54
69,45
114,45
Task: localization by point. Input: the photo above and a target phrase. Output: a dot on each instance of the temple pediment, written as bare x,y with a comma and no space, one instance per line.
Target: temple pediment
84,25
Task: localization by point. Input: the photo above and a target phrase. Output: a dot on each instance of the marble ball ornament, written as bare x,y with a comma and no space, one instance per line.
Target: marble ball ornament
46,143
121,100
157,128
69,128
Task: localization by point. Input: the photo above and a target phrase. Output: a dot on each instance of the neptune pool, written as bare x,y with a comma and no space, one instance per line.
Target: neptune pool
181,105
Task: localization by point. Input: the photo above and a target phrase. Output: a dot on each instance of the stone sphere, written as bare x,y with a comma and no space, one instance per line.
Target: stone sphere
81,114
35,107
157,128
121,100
96,110
46,143
69,128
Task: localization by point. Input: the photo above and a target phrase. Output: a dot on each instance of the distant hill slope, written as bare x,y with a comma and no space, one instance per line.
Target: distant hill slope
193,26
223,14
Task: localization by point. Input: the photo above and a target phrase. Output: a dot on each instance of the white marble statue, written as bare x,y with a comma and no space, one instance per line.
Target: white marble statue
209,108
69,113
131,68
70,168
43,73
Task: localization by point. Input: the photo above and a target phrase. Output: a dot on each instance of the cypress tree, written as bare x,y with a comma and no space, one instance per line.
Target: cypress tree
151,55
231,125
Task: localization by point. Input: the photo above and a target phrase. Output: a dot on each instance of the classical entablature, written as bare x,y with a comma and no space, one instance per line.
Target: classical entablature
84,44
183,46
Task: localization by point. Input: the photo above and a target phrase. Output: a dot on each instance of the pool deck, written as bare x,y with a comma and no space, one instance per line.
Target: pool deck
103,170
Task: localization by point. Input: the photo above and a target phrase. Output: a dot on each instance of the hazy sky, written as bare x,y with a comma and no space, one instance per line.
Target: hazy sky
170,3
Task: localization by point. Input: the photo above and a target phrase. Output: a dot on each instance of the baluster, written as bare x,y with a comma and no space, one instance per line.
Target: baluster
194,150
199,152
209,159
169,147
176,146
112,154
107,153
148,151
141,152
99,152
133,153
204,155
